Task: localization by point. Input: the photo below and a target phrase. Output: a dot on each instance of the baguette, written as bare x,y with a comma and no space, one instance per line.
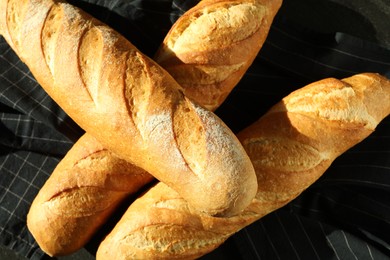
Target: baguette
79,196
291,146
212,45
130,104
44,221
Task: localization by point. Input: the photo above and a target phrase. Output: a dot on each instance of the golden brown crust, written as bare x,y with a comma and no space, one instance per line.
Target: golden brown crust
64,195
82,192
297,140
160,225
212,45
116,93
291,147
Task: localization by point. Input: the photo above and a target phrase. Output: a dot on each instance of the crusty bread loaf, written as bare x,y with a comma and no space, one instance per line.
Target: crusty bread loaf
291,146
82,192
55,239
211,46
130,104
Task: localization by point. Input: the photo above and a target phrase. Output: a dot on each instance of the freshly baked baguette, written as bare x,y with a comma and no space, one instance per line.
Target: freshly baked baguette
130,104
82,192
291,146
211,46
45,223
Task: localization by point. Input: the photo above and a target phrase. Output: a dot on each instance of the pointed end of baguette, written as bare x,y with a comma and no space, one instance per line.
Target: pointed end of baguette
228,178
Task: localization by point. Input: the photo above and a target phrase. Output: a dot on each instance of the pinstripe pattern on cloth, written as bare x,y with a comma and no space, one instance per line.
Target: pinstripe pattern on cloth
345,215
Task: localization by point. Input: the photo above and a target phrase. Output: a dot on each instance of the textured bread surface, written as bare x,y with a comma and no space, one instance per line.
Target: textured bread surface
298,139
80,195
130,104
291,146
71,242
210,47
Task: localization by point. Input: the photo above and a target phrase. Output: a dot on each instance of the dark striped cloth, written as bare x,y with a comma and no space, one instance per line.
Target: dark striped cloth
344,215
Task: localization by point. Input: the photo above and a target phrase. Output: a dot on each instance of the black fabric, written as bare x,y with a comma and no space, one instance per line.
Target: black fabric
344,215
